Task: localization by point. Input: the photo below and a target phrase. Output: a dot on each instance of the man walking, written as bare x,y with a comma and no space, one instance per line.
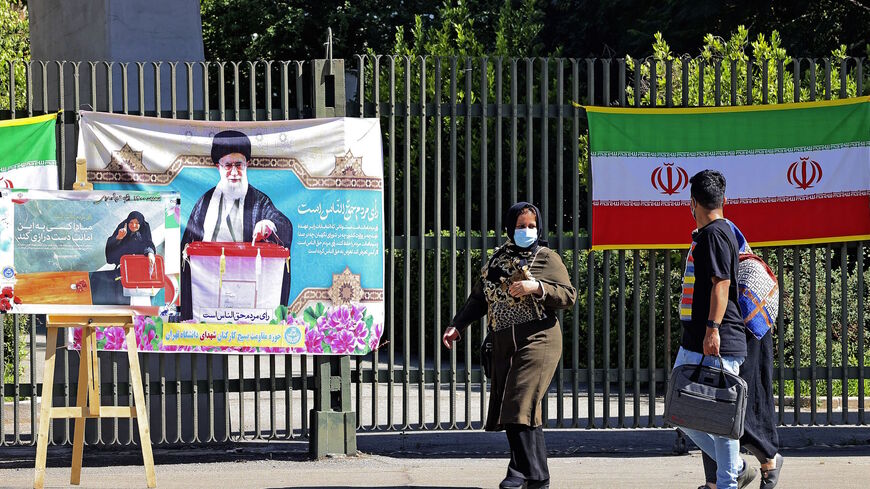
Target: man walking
713,328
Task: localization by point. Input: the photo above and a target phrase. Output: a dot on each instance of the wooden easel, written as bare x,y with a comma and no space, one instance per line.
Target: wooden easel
88,396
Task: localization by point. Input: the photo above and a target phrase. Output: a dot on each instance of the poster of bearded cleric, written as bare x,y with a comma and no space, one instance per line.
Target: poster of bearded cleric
282,237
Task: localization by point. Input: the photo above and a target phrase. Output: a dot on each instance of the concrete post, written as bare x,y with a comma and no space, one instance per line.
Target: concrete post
332,421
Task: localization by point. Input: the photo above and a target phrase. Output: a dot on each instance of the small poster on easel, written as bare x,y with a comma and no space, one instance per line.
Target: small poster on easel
74,252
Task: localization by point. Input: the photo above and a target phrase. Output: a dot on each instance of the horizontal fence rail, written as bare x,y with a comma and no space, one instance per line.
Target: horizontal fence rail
463,139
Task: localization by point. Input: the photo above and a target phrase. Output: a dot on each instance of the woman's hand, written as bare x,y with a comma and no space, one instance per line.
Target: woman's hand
121,233
451,334
525,287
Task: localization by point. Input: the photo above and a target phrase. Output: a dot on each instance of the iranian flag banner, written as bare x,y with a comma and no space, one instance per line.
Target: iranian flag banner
28,153
796,173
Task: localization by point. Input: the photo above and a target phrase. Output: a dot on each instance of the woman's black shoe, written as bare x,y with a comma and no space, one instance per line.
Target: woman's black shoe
544,484
769,478
511,482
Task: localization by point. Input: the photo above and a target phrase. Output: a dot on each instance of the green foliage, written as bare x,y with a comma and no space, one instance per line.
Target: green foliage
14,46
9,336
768,63
234,30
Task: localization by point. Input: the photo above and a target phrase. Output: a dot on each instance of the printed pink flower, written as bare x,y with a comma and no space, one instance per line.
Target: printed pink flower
77,338
342,342
314,341
377,331
114,337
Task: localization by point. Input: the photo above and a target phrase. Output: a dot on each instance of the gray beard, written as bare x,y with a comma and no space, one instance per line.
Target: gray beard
233,191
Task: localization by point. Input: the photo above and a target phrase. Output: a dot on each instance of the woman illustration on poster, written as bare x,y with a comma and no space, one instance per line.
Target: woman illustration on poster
131,237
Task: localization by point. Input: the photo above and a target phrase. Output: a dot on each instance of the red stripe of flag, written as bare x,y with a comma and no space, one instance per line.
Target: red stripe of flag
775,221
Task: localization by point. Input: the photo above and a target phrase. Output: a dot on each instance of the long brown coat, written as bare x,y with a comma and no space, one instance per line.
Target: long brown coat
526,354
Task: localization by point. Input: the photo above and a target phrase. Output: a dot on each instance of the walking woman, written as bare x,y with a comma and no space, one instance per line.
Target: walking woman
520,289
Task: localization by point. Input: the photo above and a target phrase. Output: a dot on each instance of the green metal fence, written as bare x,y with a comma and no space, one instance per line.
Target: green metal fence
463,139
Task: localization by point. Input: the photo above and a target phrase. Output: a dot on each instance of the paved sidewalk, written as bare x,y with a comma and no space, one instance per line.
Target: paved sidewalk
816,458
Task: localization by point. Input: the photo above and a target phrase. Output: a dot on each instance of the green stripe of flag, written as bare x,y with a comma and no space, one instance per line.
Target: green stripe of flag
727,129
27,140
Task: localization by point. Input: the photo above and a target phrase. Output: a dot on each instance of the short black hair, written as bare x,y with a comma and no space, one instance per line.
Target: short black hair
229,142
708,189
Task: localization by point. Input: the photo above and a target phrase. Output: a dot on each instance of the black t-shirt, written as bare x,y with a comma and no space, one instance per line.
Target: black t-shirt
713,254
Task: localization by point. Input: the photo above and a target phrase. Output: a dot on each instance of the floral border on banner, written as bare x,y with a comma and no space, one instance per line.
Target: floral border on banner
346,329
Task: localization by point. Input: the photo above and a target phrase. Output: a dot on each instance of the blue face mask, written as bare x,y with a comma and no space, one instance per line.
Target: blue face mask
525,237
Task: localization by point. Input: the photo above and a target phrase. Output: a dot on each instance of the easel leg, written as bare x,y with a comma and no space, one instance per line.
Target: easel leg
45,409
85,377
141,414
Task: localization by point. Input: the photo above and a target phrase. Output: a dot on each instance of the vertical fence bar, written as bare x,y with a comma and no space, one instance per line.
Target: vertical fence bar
3,379
499,104
666,279
33,384
467,75
717,82
844,331
422,250
514,177
780,335
652,339
437,274
361,59
300,113
636,337
16,364
733,94
796,331
453,243
406,327
544,162
484,207
543,203
530,128
391,361
605,338
575,230
620,356
560,220
590,265
861,305
813,335
376,366
829,372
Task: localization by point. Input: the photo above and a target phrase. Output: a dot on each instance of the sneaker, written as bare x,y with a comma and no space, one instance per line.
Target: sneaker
745,476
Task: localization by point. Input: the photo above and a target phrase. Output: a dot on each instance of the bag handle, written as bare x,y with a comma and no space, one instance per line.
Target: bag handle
697,373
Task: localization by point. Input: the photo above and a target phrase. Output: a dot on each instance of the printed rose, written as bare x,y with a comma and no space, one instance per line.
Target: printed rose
377,331
342,342
314,341
113,336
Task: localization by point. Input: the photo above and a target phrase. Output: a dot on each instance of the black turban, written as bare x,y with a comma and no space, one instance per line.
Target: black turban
228,142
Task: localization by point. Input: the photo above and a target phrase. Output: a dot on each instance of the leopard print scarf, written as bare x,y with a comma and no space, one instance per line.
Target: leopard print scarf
508,265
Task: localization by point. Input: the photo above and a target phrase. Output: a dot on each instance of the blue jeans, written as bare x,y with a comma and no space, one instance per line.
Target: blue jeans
725,451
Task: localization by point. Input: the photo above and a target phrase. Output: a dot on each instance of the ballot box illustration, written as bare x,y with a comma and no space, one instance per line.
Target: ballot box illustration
140,278
236,282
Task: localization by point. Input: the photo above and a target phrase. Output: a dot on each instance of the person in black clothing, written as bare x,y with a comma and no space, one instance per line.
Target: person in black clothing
760,437
520,289
713,331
